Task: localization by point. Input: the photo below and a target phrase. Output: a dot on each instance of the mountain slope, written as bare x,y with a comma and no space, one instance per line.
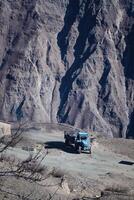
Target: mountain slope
69,61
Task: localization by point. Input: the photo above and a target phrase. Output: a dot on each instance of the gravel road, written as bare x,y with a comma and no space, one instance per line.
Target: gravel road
102,161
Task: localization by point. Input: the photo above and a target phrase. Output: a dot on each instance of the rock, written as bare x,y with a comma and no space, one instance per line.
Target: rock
65,187
68,61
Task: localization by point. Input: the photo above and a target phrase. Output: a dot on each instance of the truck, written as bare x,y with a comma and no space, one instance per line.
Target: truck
79,139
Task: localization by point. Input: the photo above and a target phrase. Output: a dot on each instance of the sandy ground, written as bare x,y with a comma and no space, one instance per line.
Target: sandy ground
86,173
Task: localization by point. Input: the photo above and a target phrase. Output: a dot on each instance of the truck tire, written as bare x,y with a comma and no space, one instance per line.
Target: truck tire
66,142
79,150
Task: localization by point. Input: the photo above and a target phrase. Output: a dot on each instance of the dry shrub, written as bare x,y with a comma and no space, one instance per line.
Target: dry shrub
6,139
7,158
3,157
117,188
57,173
34,166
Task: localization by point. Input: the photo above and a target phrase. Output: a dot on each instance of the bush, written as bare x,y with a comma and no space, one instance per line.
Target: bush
57,173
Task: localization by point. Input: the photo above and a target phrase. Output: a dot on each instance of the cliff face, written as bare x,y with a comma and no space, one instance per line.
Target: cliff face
69,61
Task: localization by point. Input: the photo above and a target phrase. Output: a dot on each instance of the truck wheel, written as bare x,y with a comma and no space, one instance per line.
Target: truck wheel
79,149
76,147
66,142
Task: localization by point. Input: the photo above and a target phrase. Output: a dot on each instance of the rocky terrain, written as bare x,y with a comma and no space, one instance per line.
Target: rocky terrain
69,61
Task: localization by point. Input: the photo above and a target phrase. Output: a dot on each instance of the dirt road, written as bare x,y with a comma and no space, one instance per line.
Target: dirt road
102,167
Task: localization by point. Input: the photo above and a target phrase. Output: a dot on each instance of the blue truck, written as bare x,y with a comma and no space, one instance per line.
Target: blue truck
80,140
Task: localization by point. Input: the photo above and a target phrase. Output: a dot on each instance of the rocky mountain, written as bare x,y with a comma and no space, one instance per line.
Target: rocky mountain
69,61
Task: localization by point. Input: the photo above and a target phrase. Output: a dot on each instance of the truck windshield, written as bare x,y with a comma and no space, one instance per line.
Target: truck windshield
83,137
